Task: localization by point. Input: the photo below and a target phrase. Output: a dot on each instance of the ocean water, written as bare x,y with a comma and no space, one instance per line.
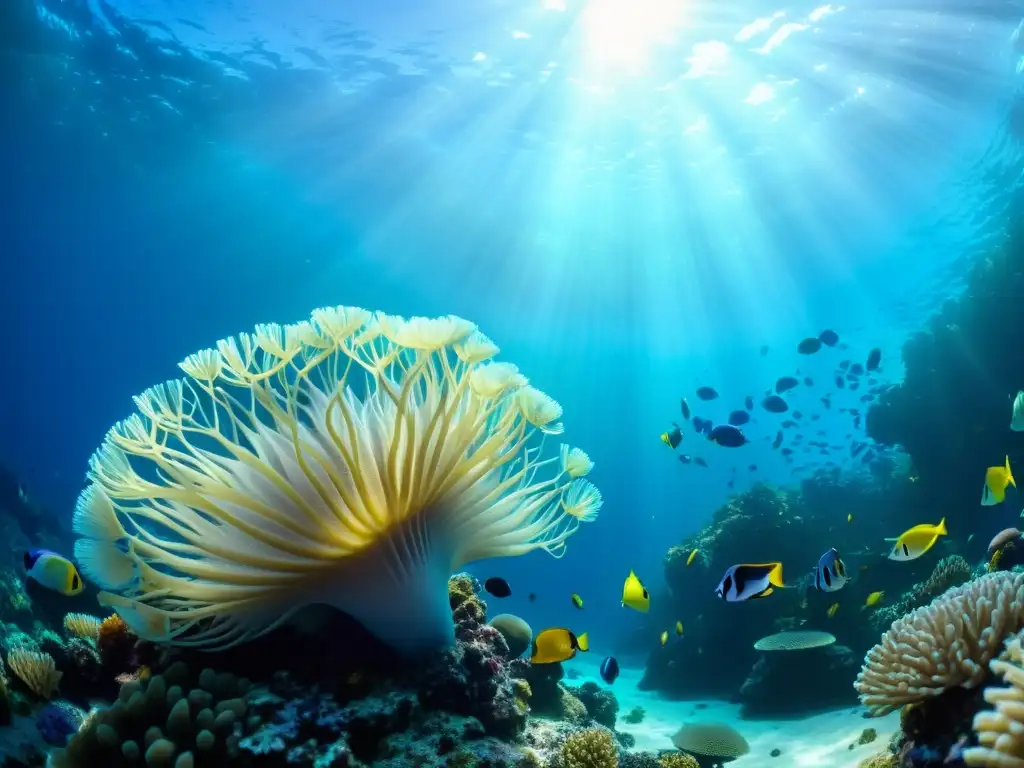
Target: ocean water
632,199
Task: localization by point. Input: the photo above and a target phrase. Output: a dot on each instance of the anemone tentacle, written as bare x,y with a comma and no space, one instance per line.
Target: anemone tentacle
355,459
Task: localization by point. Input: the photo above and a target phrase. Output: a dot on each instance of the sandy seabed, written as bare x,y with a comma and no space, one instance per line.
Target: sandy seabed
817,741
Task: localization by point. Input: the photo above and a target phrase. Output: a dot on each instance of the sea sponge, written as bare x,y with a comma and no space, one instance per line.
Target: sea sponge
169,720
36,670
947,643
355,459
592,748
82,625
717,742
1001,731
517,633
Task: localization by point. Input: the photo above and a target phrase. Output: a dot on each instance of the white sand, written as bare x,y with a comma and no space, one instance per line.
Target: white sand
818,741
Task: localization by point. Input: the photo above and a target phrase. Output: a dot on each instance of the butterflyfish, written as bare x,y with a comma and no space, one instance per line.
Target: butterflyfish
1017,416
673,437
554,645
749,581
916,541
830,572
635,595
691,558
53,571
609,670
996,480
577,600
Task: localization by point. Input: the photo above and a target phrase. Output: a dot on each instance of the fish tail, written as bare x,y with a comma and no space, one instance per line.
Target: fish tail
775,575
583,642
940,529
1009,474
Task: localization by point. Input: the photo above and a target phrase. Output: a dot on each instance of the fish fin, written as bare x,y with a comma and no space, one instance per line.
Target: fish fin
775,576
765,593
583,642
1009,474
940,529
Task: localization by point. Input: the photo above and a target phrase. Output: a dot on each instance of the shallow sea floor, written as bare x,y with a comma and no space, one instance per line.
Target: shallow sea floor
818,741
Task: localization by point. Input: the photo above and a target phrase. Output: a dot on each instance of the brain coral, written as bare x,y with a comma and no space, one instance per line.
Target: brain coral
947,643
355,459
716,741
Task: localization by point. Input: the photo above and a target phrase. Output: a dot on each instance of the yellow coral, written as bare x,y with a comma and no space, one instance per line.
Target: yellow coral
355,459
678,760
592,748
36,670
881,760
82,625
1001,731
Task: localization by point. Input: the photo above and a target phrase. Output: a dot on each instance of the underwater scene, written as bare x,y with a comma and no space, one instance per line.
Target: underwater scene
512,384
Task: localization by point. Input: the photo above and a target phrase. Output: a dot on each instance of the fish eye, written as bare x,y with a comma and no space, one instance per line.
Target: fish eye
906,551
74,581
646,596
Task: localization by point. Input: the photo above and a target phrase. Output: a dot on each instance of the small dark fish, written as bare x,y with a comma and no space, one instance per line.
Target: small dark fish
839,382
778,440
728,436
874,359
856,448
844,364
866,398
797,415
684,407
749,403
707,393
764,350
700,462
731,484
826,402
828,338
532,597
853,411
774,404
815,416
739,418
855,386
752,468
850,377
787,451
784,384
609,670
808,381
856,422
808,346
703,426
857,369
498,587
788,424
685,458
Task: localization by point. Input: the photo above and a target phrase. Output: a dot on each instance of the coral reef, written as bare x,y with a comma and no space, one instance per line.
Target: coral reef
949,572
799,681
57,721
162,721
677,760
517,633
635,715
37,671
317,432
711,743
1001,731
592,748
600,704
945,644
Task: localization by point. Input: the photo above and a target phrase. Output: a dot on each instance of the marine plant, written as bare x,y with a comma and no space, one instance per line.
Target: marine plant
677,760
36,670
942,645
355,459
82,625
590,748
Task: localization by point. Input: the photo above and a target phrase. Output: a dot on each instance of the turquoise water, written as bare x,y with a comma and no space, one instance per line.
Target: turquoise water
630,198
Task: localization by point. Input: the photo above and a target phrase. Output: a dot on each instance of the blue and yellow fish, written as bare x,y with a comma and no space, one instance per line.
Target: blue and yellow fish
53,571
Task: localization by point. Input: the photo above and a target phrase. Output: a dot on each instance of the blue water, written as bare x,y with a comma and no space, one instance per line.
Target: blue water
630,198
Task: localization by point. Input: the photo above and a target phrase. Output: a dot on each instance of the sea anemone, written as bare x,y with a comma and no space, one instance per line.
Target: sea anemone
354,460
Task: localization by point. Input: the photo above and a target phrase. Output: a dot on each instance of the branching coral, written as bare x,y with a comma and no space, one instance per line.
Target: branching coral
1001,731
592,748
945,644
35,670
949,572
356,460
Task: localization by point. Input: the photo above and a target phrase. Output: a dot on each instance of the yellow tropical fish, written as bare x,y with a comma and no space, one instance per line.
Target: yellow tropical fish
915,542
635,595
996,480
679,628
691,558
53,571
832,609
664,637
849,518
874,598
577,600
554,645
673,437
